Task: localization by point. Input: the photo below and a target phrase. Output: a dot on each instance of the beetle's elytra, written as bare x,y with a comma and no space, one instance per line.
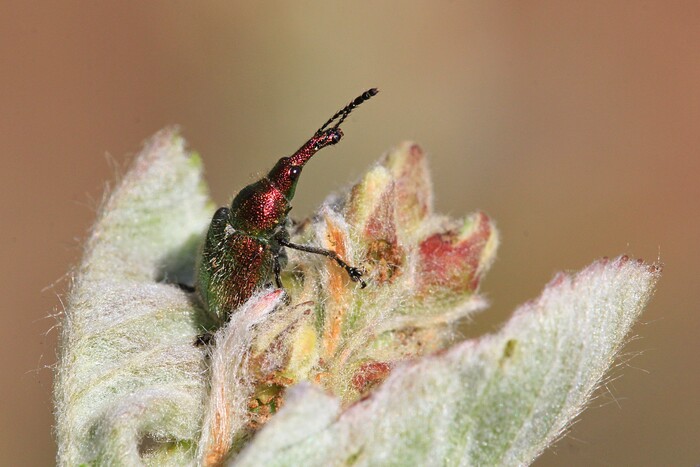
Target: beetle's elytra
244,247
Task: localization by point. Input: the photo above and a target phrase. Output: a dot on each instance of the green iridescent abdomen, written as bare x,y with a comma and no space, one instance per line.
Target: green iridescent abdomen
232,266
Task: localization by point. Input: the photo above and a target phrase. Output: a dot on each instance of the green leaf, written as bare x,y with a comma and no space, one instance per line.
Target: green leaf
129,378
497,400
132,388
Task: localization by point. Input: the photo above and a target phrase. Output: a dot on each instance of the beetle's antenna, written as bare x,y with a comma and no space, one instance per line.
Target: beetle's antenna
345,111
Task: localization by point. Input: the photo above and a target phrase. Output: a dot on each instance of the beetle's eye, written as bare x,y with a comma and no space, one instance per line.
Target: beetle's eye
335,137
294,171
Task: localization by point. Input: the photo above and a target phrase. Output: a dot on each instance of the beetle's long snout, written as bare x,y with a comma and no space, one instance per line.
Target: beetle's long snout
325,136
330,137
316,143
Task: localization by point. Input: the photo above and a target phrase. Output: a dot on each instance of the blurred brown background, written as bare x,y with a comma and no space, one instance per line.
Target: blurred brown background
576,126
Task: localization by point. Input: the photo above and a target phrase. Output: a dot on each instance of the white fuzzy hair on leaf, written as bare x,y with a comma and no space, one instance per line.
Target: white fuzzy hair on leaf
370,376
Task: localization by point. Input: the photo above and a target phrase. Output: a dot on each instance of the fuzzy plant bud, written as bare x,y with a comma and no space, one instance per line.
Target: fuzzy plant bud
323,372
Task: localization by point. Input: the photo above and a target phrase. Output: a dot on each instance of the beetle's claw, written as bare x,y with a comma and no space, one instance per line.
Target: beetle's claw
356,276
204,339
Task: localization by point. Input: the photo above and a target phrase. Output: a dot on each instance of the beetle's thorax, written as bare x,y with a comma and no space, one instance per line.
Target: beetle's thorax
262,206
259,209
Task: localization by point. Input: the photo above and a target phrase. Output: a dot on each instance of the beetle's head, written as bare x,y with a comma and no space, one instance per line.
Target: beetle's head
285,173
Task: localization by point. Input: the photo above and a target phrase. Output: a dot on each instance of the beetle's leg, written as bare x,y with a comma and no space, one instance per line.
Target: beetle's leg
277,268
354,273
204,339
186,287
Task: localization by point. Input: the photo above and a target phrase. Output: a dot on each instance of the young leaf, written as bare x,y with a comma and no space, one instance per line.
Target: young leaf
130,384
497,400
334,374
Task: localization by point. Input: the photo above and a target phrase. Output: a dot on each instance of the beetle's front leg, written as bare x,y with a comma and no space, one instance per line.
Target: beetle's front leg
277,268
354,273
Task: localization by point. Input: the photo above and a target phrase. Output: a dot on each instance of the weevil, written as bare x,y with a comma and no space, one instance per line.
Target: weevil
244,247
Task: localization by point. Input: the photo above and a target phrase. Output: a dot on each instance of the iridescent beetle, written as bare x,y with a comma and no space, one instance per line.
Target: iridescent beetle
244,248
